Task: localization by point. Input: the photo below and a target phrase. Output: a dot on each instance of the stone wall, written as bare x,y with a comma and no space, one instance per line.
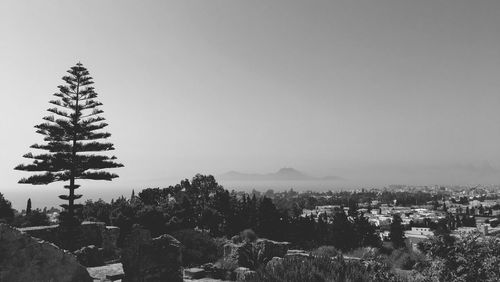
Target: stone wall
89,233
24,258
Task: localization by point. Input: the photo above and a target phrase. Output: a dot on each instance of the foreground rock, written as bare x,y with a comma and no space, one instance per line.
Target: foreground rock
90,256
253,254
151,259
111,272
194,273
24,258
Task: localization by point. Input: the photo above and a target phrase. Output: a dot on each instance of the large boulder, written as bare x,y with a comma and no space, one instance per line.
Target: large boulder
253,254
243,254
147,259
107,272
24,258
267,249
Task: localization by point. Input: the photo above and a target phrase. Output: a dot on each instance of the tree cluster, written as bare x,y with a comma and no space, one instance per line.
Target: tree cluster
202,204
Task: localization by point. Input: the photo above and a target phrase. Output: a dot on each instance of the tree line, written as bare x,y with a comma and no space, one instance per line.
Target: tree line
202,204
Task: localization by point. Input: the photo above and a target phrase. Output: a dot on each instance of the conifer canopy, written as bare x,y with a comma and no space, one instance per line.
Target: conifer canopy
73,135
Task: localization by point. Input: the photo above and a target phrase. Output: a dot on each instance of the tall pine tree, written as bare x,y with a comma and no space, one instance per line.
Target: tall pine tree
72,136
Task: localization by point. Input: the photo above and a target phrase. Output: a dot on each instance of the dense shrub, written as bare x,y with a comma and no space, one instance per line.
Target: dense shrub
35,218
197,247
469,257
324,269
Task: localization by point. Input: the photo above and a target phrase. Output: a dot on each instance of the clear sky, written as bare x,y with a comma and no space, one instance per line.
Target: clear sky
377,92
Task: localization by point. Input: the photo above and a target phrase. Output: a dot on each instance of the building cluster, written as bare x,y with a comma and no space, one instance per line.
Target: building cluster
381,216
485,215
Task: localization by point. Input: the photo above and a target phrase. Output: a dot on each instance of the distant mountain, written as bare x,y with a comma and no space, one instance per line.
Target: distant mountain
284,174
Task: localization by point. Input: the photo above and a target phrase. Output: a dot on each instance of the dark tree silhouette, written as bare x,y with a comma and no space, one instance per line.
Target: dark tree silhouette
342,232
397,232
268,219
365,232
71,133
6,211
28,207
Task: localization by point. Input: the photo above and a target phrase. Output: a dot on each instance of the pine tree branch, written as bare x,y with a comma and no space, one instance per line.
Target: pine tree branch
58,112
94,136
91,120
54,147
43,179
56,131
93,127
89,104
94,147
67,197
94,112
98,175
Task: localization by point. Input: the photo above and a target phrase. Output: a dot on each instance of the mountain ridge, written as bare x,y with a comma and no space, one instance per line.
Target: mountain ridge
283,174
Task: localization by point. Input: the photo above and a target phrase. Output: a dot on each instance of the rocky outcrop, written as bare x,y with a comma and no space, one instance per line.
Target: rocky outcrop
253,254
243,254
147,259
24,258
267,249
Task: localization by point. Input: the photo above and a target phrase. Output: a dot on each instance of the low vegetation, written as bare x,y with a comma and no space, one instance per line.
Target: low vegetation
323,269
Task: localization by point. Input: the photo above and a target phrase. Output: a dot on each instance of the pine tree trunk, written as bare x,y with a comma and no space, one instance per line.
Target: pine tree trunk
72,186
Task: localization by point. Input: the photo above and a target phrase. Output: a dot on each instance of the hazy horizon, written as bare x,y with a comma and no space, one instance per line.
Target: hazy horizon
376,92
